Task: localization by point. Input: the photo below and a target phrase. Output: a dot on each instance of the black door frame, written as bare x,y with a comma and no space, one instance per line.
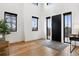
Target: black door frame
47,26
64,24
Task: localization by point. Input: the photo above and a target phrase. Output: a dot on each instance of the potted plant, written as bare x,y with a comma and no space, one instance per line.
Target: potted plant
4,29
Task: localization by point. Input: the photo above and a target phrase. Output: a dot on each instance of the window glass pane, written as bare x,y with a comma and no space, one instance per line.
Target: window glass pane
13,17
13,26
66,21
34,24
11,20
49,23
9,24
69,20
8,18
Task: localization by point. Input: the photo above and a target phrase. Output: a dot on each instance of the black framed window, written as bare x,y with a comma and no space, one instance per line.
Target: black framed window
11,21
34,23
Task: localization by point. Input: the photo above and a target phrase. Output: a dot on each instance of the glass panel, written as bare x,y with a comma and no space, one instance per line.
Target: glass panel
49,28
8,18
49,23
68,27
11,20
9,24
69,20
34,24
66,21
13,27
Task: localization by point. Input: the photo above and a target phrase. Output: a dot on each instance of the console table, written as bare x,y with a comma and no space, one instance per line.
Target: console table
74,38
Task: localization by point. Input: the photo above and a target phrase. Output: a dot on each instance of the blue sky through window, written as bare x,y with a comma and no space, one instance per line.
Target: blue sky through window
49,23
34,22
68,20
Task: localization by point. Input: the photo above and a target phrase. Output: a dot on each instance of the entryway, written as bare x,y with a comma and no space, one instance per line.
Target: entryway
53,28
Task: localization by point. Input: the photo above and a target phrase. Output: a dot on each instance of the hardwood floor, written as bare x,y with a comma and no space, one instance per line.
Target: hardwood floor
35,48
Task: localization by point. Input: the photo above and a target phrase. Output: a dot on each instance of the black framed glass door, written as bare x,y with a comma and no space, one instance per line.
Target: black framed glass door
48,28
67,26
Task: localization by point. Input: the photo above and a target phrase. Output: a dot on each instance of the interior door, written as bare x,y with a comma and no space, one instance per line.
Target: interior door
56,27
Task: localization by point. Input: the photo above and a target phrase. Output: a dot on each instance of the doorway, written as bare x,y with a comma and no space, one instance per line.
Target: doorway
67,26
48,28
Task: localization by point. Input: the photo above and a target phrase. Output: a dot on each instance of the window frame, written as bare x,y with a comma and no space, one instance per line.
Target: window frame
11,20
37,23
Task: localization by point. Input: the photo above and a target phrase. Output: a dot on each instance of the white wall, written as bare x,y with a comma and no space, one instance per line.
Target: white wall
29,11
25,12
59,8
18,9
24,18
